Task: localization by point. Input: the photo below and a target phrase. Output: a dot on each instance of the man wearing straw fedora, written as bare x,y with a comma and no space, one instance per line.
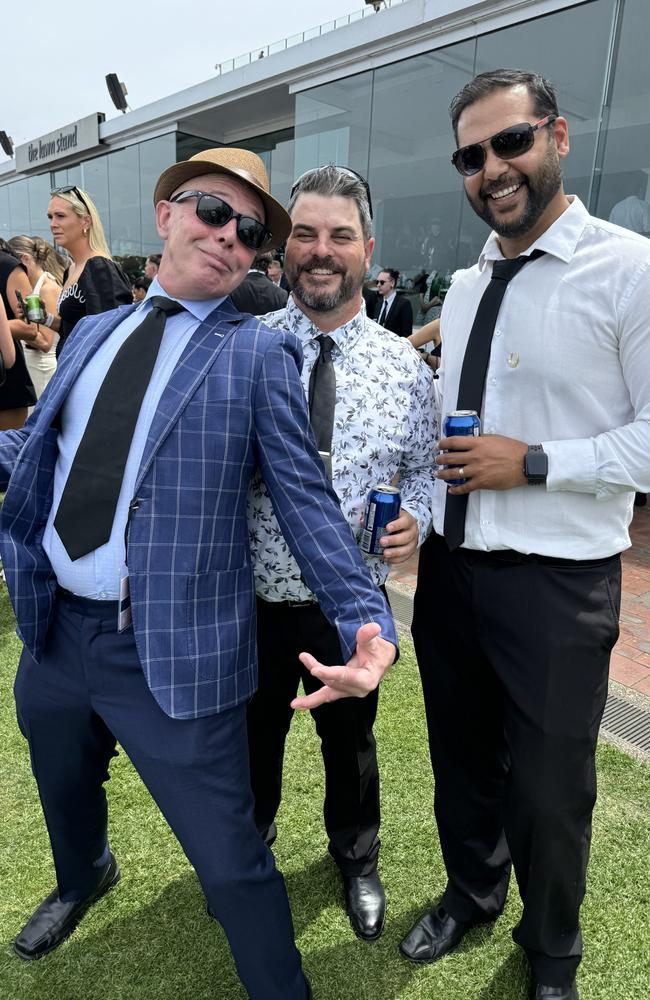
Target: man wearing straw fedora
126,553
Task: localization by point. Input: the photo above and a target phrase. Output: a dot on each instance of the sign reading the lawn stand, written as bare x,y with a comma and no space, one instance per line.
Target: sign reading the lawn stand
67,141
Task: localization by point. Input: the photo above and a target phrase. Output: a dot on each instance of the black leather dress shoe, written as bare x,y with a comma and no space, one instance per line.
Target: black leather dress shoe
540,992
434,935
365,904
54,921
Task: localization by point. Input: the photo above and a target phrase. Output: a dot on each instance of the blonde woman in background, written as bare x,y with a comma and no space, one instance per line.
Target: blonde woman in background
93,283
45,269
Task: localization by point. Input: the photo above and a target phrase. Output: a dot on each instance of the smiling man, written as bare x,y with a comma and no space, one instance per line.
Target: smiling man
547,339
141,455
372,414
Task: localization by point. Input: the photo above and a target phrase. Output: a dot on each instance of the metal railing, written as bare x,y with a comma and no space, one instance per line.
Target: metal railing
302,36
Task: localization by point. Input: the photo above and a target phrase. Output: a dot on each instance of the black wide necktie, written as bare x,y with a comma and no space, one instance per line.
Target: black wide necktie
84,519
382,314
322,400
474,370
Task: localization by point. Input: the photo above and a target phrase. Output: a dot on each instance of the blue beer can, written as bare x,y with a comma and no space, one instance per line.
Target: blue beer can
382,507
464,422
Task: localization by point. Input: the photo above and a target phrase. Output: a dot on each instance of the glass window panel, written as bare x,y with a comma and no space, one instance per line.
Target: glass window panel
19,208
623,194
5,221
124,193
155,156
415,190
39,195
333,124
95,182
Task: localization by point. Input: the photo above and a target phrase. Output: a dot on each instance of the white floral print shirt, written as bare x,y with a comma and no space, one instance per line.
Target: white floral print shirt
385,423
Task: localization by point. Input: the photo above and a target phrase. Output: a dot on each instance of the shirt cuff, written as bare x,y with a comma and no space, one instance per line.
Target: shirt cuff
571,465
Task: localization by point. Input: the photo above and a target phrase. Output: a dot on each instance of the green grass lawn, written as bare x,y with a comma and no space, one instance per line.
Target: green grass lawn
150,938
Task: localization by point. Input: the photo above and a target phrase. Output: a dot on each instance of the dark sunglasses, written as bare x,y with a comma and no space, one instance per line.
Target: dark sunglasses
71,189
343,170
381,281
217,212
507,144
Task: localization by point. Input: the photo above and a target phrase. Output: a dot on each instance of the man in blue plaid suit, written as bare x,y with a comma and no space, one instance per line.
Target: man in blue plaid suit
223,400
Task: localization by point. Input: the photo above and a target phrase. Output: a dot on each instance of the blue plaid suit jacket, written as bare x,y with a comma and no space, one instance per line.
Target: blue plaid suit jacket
234,404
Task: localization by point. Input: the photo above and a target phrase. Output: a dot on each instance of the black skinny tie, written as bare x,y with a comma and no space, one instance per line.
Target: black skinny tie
474,370
322,399
382,314
84,520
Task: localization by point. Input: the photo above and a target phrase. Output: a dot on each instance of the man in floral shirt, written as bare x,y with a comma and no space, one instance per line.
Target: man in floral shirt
384,427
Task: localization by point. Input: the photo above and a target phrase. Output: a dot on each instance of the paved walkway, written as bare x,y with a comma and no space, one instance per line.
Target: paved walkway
630,664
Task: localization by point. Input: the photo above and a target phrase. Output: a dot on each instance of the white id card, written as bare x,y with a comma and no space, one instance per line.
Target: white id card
124,606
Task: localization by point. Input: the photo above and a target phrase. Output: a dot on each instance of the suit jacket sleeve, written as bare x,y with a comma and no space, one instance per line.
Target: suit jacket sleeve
305,503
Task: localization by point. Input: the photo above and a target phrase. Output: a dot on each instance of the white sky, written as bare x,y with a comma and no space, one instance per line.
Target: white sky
56,56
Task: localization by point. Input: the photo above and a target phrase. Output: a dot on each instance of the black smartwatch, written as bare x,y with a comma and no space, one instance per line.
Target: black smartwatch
536,465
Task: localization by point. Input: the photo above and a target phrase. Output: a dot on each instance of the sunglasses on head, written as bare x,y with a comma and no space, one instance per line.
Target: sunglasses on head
343,170
71,189
216,212
507,144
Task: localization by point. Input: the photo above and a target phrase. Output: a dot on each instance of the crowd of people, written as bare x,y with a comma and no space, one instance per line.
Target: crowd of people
183,510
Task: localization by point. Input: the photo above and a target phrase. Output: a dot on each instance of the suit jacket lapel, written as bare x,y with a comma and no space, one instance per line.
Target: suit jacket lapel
205,344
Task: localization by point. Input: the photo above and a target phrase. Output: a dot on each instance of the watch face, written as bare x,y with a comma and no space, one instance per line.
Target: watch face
536,465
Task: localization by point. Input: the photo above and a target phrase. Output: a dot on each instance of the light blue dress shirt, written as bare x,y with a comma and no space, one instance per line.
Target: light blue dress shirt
97,574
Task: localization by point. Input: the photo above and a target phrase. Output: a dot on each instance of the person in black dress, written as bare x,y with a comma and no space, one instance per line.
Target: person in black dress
17,391
93,283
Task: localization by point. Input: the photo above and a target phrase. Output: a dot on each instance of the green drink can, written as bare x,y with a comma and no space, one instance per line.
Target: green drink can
35,311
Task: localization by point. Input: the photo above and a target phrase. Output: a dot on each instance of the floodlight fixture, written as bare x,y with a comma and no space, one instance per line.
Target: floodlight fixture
118,92
7,143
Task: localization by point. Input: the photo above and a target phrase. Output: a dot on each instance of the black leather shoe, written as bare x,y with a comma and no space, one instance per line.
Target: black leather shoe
540,992
434,935
365,904
53,921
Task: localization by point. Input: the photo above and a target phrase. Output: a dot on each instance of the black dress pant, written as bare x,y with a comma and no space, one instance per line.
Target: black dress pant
351,807
514,654
89,690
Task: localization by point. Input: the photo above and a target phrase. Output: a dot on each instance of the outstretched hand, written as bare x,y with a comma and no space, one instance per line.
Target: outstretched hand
360,675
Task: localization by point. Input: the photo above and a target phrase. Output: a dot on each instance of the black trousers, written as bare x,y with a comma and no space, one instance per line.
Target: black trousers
514,656
351,807
89,690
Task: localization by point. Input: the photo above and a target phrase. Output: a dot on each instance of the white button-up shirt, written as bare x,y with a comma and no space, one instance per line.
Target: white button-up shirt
569,369
384,423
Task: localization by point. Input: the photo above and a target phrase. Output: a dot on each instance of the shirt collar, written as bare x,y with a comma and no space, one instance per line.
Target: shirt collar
560,239
199,308
345,337
389,299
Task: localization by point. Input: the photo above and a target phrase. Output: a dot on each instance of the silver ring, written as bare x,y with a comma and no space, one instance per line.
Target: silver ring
461,472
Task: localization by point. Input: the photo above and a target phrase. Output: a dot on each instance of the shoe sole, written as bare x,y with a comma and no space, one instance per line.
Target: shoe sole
48,951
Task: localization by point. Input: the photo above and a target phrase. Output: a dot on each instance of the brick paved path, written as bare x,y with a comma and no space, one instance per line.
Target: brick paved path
631,657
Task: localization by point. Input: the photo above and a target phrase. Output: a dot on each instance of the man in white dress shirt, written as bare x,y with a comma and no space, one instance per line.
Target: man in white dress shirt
383,425
514,667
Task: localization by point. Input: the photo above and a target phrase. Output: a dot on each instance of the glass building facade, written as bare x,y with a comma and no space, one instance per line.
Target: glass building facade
391,124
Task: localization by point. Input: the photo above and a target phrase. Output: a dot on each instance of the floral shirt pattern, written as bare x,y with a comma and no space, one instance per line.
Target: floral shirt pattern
385,423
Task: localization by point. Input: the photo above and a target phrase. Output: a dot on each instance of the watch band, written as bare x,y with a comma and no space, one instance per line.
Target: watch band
536,465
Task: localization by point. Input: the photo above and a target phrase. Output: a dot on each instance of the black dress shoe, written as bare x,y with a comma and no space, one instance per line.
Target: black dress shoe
53,921
434,935
365,904
540,992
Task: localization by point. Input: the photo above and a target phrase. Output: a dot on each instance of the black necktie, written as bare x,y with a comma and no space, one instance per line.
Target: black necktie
474,370
322,399
84,519
382,314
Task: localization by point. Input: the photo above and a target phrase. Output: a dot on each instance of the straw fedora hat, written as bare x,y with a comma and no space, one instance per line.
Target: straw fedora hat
243,166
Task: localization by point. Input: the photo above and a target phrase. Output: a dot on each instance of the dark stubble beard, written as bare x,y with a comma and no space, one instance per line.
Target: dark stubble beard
542,186
323,302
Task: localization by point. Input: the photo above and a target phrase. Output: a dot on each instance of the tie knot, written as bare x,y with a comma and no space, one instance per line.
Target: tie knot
168,306
326,344
505,270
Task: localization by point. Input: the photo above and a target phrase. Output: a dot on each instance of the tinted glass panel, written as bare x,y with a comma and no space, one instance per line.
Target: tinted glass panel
333,124
623,194
124,193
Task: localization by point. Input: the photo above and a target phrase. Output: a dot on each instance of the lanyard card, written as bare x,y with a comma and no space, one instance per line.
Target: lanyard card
124,605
